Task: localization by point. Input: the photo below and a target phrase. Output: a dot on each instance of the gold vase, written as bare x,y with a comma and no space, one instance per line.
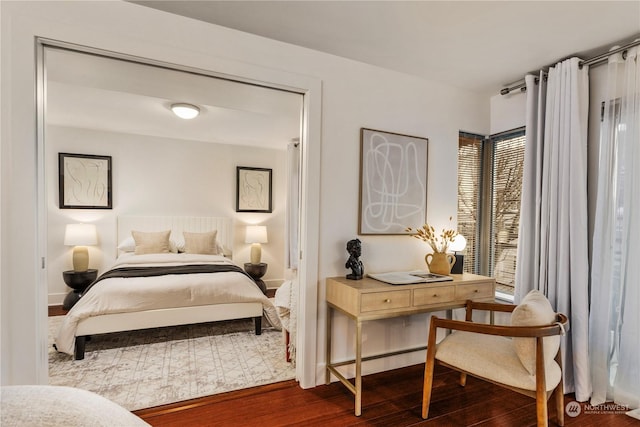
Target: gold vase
440,262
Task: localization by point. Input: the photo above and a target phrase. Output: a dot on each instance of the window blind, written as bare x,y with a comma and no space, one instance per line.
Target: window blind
470,149
489,192
508,161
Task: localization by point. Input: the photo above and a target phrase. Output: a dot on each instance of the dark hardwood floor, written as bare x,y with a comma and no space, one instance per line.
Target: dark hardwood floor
392,398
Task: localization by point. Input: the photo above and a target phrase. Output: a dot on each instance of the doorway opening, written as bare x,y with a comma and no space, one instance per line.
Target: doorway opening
77,86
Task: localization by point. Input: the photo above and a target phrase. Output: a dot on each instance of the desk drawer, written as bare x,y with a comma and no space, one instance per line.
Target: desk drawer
475,291
437,295
385,300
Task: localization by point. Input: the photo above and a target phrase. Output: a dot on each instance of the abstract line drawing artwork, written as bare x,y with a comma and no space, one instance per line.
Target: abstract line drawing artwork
84,181
393,182
253,189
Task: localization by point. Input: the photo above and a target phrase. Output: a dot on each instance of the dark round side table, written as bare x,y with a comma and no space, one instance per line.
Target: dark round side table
78,281
256,271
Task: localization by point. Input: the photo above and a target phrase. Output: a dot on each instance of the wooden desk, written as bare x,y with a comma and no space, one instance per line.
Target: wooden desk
370,299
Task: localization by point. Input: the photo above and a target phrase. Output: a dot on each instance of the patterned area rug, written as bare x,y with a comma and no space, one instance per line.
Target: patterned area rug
152,367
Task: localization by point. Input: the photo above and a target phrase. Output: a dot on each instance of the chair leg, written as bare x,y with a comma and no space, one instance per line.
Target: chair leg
428,384
560,393
463,379
428,370
542,412
541,409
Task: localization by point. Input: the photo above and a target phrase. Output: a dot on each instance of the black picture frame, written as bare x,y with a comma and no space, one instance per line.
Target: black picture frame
84,181
253,189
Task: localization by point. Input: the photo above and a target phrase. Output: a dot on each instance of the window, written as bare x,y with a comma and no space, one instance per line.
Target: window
469,190
489,191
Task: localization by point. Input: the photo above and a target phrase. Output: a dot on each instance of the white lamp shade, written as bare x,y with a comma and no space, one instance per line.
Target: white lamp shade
80,235
185,111
458,244
256,234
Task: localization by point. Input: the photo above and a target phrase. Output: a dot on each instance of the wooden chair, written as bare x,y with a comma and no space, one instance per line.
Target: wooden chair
485,352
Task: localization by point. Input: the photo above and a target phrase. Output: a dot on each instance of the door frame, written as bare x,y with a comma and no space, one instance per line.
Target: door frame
310,89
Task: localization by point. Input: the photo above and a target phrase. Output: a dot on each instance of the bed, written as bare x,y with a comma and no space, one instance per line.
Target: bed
184,285
51,406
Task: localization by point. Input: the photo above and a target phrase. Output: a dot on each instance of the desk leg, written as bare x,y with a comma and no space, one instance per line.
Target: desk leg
358,379
327,378
449,314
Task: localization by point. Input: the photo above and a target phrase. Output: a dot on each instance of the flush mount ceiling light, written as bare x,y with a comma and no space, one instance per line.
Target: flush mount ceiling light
185,111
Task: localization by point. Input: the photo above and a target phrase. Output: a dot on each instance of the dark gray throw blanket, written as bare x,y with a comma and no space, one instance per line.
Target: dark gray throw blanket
164,271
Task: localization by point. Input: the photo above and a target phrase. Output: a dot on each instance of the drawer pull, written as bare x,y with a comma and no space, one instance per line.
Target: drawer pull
387,300
476,291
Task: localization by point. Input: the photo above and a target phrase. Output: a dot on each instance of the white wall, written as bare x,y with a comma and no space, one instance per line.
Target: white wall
160,176
354,95
508,111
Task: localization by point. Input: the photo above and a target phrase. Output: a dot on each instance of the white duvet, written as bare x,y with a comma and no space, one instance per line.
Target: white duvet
122,295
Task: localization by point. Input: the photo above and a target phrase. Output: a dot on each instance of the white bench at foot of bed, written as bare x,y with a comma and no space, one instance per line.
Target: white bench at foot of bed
120,322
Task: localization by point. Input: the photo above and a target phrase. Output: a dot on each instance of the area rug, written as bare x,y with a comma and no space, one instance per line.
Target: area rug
152,367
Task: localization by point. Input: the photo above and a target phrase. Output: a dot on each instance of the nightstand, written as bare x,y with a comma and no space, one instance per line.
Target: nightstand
78,281
256,271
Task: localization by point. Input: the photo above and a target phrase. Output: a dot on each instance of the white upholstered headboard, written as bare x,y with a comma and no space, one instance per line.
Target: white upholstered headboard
178,224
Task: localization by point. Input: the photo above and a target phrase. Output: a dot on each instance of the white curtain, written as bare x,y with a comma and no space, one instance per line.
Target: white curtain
292,217
615,276
553,242
528,271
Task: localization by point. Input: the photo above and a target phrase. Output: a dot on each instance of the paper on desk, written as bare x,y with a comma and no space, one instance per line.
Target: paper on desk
409,277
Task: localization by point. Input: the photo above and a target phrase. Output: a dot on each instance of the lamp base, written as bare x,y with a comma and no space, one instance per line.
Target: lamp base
256,253
458,267
80,258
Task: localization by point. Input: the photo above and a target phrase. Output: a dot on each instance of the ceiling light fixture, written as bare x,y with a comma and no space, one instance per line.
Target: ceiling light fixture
185,111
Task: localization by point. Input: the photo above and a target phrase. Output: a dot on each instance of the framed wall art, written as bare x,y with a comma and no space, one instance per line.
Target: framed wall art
253,189
393,182
84,181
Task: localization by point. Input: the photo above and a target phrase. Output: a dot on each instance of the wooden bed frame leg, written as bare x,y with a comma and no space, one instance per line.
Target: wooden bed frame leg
258,322
79,350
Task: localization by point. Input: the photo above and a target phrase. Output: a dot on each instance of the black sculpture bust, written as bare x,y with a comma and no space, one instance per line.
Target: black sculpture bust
354,247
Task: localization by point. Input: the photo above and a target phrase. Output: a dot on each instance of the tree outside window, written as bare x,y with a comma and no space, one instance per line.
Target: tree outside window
489,192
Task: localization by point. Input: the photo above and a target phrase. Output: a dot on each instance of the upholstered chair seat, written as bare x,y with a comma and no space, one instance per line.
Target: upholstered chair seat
492,358
523,356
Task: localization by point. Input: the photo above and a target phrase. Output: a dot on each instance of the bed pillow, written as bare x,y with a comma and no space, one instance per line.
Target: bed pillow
201,243
534,310
177,244
151,242
127,245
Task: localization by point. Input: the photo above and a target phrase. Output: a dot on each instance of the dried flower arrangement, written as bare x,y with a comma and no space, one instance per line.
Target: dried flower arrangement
426,233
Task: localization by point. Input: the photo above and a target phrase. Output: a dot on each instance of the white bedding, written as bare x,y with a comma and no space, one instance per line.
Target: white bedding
282,301
132,294
53,406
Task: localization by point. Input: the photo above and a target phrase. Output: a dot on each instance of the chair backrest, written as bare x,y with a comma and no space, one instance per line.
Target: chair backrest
534,310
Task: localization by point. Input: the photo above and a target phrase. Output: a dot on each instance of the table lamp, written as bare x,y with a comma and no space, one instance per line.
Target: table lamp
80,236
458,245
256,234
